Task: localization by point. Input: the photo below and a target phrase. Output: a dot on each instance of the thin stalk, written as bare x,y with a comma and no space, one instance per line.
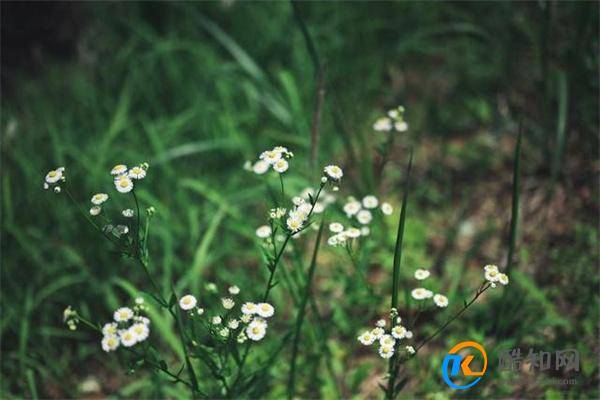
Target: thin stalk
177,317
89,324
89,220
393,368
301,314
137,226
482,288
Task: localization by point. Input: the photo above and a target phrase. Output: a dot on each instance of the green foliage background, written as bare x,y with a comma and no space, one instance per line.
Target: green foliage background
196,89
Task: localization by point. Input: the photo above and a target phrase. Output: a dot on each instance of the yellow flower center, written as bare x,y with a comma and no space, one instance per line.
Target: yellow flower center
52,174
256,330
123,183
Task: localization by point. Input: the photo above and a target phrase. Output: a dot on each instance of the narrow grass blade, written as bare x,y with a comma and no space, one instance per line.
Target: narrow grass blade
400,236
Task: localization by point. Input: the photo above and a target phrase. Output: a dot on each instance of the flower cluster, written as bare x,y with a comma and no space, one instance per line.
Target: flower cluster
251,323
128,328
421,293
275,158
362,211
123,177
393,121
54,178
492,275
387,341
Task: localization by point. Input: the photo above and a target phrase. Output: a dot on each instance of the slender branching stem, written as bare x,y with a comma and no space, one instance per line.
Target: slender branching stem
482,288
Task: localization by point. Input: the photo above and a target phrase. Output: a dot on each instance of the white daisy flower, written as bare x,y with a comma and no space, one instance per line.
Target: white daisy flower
303,210
127,213
216,320
139,300
440,300
352,233
365,231
503,279
336,227
380,323
352,208
200,311
260,167
99,198
399,332
224,332
228,303
123,314
490,267
119,169
277,212
323,179
387,209
333,172
141,331
245,318
124,184
364,217
256,330
128,338
421,294
265,310
233,324
297,200
387,341
370,201
109,328
492,275
142,320
233,290
270,156
281,166
110,343
294,224
46,186
386,352
187,302
366,338
241,338
53,176
408,334
333,241
249,308
410,349
319,207
263,231
377,332
383,124
122,230
401,126
95,210
422,274
137,173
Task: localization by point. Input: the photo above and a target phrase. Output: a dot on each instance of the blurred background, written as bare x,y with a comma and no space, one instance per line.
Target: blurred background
196,89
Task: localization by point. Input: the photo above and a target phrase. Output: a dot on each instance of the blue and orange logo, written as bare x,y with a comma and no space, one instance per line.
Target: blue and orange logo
457,363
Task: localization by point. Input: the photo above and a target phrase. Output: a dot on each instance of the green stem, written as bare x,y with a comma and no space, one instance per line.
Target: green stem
482,288
301,314
177,316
